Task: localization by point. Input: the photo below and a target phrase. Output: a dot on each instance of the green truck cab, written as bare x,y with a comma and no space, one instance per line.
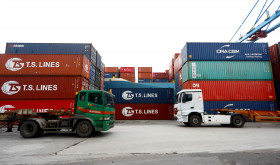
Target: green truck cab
93,112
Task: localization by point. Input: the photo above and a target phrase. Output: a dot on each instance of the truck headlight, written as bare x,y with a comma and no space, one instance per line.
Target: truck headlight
106,118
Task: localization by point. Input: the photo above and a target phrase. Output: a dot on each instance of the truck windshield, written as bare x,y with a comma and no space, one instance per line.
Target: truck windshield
109,100
95,98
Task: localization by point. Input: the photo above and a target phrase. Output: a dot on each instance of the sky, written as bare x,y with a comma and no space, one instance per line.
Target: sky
132,33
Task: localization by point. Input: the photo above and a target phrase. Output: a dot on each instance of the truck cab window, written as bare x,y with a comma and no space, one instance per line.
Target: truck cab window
95,98
109,100
186,97
82,96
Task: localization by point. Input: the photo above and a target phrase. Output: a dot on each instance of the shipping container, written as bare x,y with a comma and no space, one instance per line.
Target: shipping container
44,65
180,77
92,73
50,48
102,67
176,55
145,75
93,55
111,75
161,80
178,64
143,95
241,105
98,60
127,69
63,87
277,91
196,51
160,75
145,80
97,78
178,89
234,90
128,76
102,79
36,105
111,70
274,53
171,70
176,80
145,69
276,71
144,111
227,70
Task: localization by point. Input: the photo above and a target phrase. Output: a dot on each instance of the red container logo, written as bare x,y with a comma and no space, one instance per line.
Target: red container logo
127,69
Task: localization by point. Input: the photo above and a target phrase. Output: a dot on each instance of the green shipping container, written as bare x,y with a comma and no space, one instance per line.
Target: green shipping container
227,70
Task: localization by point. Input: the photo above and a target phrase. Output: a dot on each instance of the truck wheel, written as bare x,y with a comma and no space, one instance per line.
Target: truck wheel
195,121
29,129
237,121
84,128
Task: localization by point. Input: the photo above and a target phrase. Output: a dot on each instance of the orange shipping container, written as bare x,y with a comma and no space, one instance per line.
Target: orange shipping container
111,70
128,76
145,69
145,75
44,65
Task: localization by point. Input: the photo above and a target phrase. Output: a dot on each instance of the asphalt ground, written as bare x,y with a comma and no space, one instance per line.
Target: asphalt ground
148,142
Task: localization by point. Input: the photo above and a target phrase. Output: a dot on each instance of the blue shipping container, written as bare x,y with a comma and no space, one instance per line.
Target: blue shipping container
49,48
195,51
92,73
98,61
178,89
176,79
143,95
161,80
145,80
110,75
252,105
93,55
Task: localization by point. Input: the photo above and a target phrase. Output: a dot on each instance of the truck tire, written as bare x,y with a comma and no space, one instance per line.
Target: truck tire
195,121
84,128
29,129
237,121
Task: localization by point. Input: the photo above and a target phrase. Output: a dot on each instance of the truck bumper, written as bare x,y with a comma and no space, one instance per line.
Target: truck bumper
107,125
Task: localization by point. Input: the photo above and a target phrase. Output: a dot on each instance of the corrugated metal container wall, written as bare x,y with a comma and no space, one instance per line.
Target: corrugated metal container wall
234,90
36,105
178,89
98,61
274,53
49,48
176,79
102,67
97,78
127,69
145,69
144,111
93,55
277,91
92,73
110,75
111,70
145,75
227,70
243,105
161,80
225,52
160,75
145,80
171,70
43,65
276,71
176,55
178,64
180,77
62,87
143,95
128,76
127,84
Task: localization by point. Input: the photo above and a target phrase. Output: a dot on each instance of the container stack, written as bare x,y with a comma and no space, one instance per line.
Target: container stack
178,77
231,75
144,103
112,72
171,67
145,74
160,77
102,76
128,73
275,60
46,76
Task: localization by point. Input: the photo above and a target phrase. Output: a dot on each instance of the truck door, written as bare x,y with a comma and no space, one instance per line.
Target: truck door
187,103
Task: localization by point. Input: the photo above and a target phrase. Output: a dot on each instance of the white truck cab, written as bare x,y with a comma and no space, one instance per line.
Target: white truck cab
189,109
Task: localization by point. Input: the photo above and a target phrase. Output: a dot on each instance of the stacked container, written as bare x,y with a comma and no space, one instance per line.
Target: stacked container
231,75
128,73
160,77
145,74
46,76
112,72
171,67
275,60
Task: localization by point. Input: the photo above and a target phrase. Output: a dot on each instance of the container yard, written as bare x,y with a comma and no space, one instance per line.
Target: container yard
140,82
